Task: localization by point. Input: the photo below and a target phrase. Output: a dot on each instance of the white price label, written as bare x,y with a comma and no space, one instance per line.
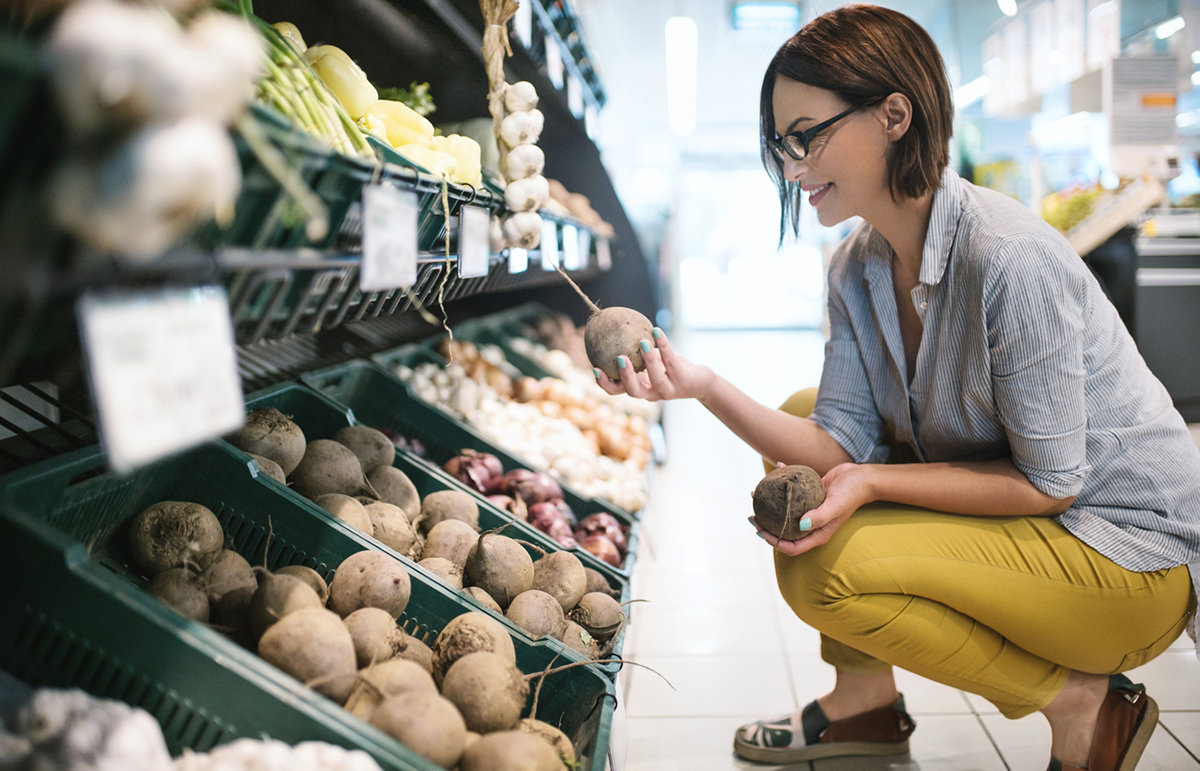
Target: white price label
523,24
163,370
518,259
474,244
389,238
570,247
574,95
603,254
549,244
554,63
585,247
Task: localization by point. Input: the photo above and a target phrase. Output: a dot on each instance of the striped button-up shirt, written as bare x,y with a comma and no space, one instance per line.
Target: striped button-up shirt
1022,357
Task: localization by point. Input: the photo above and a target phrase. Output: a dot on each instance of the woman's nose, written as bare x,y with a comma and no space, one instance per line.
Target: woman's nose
792,168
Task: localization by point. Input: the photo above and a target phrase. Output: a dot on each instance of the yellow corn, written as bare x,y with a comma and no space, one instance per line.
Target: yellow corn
347,82
404,125
291,34
372,124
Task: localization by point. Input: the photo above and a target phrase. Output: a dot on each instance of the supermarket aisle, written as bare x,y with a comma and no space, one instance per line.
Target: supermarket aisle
716,629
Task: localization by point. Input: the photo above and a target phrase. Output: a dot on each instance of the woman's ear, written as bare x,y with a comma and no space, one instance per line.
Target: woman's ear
896,111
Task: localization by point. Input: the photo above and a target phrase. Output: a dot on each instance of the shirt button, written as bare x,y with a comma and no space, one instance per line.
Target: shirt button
924,305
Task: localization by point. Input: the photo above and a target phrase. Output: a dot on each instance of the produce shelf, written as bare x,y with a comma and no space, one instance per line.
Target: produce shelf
83,620
379,398
320,417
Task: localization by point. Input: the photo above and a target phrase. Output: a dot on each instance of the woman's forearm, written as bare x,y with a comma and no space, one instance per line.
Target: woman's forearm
987,488
774,434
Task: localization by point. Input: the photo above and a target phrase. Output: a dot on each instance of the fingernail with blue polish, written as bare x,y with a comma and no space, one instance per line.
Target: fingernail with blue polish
620,362
596,372
645,346
806,524
760,535
657,333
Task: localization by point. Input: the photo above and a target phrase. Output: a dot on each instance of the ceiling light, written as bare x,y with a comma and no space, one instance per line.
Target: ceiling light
682,48
1169,27
770,15
1007,7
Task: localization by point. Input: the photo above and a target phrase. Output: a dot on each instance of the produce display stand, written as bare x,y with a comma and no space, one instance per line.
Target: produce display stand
82,617
320,418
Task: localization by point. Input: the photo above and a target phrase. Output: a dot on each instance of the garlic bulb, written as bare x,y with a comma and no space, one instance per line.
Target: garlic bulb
521,128
524,161
526,194
520,97
523,229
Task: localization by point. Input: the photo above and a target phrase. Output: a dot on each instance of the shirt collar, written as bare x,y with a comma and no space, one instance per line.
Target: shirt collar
943,223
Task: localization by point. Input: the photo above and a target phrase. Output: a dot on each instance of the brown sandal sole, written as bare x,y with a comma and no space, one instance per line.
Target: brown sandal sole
817,751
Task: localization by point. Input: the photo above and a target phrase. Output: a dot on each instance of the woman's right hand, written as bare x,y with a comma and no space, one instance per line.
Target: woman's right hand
667,375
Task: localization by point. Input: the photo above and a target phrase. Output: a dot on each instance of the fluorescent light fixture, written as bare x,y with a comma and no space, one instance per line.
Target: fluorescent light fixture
1007,7
682,48
771,15
1169,27
1195,57
969,93
1196,78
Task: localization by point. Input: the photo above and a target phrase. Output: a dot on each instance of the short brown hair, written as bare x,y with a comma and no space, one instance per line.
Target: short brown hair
863,53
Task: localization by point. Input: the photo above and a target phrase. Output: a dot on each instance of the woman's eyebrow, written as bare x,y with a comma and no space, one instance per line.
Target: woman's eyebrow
792,125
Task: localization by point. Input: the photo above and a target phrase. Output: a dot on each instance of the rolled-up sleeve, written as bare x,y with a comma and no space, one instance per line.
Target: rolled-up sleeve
1034,319
845,408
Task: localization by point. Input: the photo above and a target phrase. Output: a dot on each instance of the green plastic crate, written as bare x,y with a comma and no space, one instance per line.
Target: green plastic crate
83,620
320,417
379,398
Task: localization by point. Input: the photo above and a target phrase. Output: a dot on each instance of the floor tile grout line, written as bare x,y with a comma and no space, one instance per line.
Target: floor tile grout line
1178,740
992,740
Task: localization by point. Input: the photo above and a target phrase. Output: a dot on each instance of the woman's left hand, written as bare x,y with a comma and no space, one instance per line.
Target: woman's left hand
846,491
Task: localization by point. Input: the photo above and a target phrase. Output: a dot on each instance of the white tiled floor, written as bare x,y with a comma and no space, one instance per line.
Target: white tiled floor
723,647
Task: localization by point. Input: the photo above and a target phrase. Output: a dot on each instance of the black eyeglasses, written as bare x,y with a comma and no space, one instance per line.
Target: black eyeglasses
796,143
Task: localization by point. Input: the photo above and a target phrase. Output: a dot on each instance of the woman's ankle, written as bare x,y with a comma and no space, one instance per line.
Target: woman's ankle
1073,714
855,693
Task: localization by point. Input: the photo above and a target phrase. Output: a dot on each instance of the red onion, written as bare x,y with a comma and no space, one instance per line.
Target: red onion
530,486
542,515
478,470
561,532
514,506
605,524
601,547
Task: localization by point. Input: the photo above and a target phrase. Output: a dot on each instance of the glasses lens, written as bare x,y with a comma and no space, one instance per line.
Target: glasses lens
794,146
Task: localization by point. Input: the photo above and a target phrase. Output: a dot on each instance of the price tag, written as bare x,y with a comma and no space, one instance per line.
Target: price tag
603,254
574,95
570,247
389,238
549,244
585,247
474,244
163,370
554,63
518,259
523,24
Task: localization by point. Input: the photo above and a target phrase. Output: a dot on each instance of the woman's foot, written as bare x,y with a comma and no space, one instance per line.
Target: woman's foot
1118,732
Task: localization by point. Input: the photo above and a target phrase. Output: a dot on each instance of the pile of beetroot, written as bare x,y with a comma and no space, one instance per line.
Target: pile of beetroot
537,498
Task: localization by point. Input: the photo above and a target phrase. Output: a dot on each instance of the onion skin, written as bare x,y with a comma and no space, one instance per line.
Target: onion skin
480,471
530,486
605,524
601,547
514,506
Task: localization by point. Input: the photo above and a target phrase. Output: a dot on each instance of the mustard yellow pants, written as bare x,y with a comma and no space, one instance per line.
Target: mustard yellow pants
1003,607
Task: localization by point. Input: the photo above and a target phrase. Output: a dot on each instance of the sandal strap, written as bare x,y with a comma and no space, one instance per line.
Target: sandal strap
885,724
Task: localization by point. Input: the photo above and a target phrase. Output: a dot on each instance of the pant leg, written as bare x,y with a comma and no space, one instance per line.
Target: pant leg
999,606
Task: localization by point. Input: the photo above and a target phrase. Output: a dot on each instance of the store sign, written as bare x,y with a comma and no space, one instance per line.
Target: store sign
163,370
389,238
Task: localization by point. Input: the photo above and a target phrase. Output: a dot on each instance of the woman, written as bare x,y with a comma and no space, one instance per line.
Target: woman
1038,542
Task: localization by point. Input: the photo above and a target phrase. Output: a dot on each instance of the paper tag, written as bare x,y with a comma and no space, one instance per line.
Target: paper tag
474,243
518,259
554,63
389,238
570,247
603,254
585,247
549,245
163,370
